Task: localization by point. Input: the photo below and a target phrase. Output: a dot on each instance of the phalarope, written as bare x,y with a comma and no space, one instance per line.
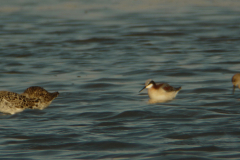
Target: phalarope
160,91
32,98
236,81
40,93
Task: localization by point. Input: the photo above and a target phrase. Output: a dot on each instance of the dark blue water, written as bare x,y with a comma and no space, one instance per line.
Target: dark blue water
98,56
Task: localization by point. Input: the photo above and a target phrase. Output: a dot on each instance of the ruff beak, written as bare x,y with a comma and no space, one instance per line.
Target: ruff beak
142,89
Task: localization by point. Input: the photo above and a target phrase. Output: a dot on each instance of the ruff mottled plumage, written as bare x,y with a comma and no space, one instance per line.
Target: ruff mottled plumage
32,98
40,93
12,103
160,91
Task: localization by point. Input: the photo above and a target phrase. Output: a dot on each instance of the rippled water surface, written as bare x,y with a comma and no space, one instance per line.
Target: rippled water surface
98,56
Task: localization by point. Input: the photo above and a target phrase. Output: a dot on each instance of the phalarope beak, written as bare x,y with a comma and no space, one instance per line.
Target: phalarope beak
142,89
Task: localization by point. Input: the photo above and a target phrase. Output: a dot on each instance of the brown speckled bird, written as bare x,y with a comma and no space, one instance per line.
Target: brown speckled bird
41,94
32,98
12,103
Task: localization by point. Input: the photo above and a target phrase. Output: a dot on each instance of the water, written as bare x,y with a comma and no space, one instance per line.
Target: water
98,56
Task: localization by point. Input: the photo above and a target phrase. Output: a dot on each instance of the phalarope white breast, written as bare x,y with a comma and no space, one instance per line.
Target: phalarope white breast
32,98
160,91
236,81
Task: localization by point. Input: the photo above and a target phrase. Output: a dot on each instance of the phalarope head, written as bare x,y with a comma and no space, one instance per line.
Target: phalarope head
148,84
236,81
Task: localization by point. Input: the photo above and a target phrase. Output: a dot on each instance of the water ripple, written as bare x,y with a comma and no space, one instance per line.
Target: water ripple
98,56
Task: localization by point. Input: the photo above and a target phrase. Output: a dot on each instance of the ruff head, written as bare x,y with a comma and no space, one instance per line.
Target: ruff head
148,84
39,93
236,81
